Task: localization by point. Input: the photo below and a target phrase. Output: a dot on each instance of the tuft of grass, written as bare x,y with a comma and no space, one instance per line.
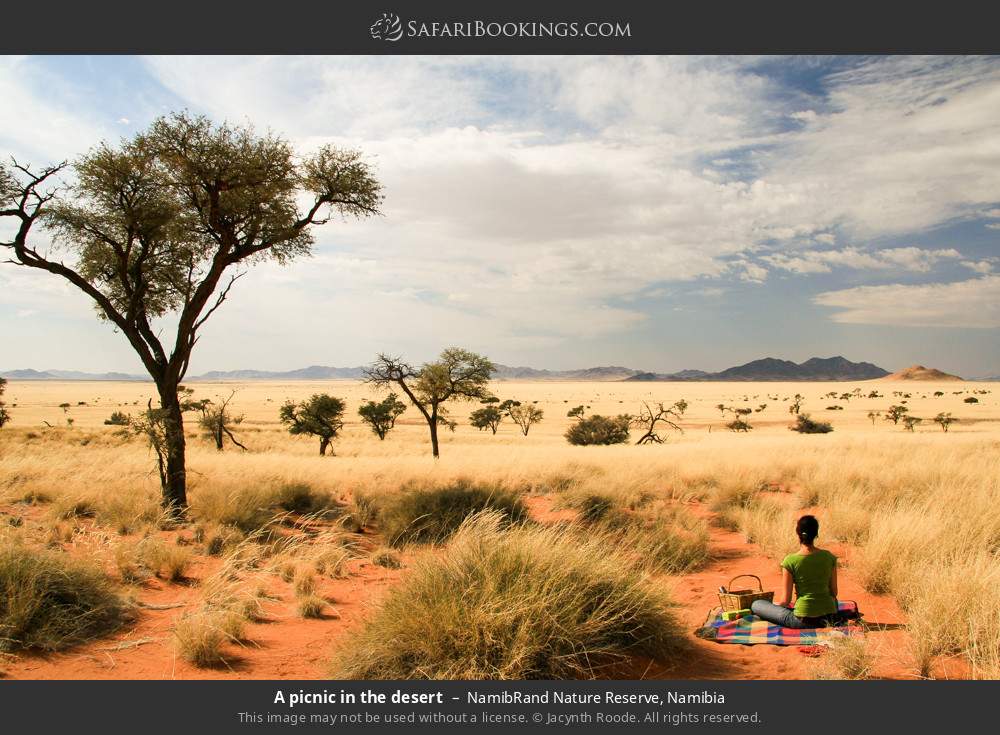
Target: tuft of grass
519,602
200,637
385,557
848,658
169,561
304,583
310,606
49,601
433,514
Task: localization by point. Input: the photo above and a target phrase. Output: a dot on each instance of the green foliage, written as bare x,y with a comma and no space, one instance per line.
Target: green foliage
945,420
910,422
50,601
321,415
738,424
575,413
522,603
599,429
895,413
432,514
117,419
525,416
805,425
488,417
381,416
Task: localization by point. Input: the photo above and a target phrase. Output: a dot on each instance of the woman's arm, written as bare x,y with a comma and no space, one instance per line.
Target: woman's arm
786,584
833,581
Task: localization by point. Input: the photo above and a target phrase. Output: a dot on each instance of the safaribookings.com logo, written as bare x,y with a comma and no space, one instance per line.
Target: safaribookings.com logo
390,28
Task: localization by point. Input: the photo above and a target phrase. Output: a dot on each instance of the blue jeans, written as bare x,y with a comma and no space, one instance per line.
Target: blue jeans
785,617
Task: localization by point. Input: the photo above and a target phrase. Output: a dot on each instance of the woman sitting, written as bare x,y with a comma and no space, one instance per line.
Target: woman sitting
813,571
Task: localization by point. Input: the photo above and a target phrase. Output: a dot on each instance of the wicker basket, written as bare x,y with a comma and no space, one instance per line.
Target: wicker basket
734,600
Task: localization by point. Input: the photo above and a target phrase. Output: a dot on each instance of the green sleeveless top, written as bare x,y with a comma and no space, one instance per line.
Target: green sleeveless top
812,573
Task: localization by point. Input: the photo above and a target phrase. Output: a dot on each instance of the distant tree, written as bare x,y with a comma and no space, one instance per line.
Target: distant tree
217,422
739,424
909,422
945,420
381,416
488,417
575,413
456,375
721,408
874,394
796,404
971,399
650,417
322,415
895,413
760,408
152,226
805,425
938,393
4,413
601,430
525,416
117,419
873,415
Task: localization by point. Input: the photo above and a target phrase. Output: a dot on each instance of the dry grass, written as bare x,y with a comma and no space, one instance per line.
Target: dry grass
514,603
922,509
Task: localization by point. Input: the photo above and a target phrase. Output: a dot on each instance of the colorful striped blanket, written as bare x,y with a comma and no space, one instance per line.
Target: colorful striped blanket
750,630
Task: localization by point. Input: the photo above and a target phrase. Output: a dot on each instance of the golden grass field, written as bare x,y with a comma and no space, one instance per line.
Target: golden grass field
919,511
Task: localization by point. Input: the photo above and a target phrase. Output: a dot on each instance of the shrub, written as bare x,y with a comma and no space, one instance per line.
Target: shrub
431,515
169,561
521,603
311,606
117,419
600,430
49,601
805,425
388,558
200,636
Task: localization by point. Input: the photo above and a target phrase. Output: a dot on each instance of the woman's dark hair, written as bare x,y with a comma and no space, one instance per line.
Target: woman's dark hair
807,529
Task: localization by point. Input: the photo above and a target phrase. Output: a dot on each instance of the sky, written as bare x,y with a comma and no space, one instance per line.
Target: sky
659,213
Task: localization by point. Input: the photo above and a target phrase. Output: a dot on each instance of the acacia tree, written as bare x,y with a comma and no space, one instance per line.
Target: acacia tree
381,416
649,417
944,420
525,416
218,422
4,414
457,374
488,417
322,415
155,227
895,413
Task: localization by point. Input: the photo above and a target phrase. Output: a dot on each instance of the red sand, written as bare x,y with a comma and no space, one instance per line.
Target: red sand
289,647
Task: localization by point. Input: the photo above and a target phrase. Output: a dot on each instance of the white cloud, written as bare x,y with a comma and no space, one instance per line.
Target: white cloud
979,266
823,261
973,303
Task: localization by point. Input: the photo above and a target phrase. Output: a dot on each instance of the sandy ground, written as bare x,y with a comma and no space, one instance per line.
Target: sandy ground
286,646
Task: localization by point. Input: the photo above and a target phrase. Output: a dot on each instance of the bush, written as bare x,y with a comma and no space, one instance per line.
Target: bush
600,430
117,419
50,602
805,425
521,603
431,515
200,636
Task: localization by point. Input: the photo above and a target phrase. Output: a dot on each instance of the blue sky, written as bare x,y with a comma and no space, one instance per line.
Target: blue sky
656,212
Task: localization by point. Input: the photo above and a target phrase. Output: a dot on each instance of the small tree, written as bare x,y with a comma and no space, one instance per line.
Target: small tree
575,413
805,425
873,415
739,424
909,422
796,404
322,415
895,413
488,417
649,417
217,422
598,429
457,374
381,417
4,414
117,419
945,420
721,408
525,416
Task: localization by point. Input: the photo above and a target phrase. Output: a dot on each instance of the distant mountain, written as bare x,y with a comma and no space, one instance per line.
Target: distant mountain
505,372
66,375
313,372
919,372
773,369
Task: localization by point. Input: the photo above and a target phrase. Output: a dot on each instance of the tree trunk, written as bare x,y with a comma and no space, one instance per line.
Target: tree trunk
434,437
175,477
323,444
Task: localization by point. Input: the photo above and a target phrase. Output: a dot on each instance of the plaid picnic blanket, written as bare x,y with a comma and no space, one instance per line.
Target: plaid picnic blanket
750,630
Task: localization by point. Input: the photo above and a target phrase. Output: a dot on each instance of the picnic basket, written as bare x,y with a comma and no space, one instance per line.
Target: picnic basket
732,600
